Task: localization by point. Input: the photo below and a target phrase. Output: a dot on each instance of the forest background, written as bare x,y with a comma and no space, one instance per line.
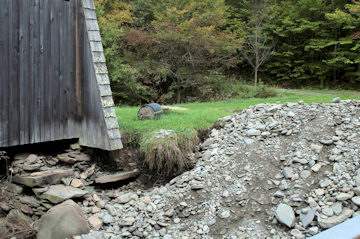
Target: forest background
173,51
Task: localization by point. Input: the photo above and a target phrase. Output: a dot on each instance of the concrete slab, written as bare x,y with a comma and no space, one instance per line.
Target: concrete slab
349,229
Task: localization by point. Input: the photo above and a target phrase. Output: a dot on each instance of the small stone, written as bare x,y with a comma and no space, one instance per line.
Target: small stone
208,142
300,160
313,230
285,214
319,191
253,132
95,222
169,213
337,208
100,204
325,183
279,194
176,220
326,141
288,172
305,174
31,167
108,219
343,196
125,198
32,158
307,218
95,210
357,191
75,146
76,183
356,200
317,148
312,203
96,198
248,141
197,186
316,167
296,233
130,220
328,212
65,158
4,206
225,214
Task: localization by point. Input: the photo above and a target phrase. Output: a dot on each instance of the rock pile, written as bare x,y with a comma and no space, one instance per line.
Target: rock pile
50,180
273,171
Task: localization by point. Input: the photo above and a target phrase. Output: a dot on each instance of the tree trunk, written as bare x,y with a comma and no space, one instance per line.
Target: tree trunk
178,96
256,77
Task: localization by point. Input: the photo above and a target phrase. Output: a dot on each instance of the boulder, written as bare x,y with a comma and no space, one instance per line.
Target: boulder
43,178
63,221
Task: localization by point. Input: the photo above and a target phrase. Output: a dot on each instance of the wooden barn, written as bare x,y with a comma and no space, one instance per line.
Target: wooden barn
53,77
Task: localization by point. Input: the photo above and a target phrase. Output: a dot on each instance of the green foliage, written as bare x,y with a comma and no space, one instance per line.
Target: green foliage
184,50
316,43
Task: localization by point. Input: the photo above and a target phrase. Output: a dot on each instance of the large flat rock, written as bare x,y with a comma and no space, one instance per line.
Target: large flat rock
117,177
347,230
42,178
334,220
60,193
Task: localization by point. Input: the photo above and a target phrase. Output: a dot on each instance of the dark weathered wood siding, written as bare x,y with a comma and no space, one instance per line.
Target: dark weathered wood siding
49,86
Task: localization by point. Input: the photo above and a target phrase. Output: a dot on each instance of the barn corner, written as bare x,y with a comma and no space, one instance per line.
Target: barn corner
109,137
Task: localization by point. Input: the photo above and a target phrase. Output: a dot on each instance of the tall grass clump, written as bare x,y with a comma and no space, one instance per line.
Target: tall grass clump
167,152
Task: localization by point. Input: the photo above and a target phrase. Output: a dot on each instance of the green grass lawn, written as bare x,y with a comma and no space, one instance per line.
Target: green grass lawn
204,115
345,92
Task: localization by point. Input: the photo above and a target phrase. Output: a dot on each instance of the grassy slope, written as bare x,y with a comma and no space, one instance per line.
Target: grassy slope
203,115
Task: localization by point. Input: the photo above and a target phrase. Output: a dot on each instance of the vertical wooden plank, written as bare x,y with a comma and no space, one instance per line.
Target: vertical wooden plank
4,71
47,19
35,59
14,74
71,83
37,72
64,68
42,70
24,72
55,62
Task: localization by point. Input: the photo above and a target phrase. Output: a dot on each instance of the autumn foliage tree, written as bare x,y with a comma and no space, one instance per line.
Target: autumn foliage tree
169,57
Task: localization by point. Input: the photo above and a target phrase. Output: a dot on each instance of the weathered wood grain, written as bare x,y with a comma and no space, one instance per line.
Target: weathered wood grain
4,71
13,106
53,75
